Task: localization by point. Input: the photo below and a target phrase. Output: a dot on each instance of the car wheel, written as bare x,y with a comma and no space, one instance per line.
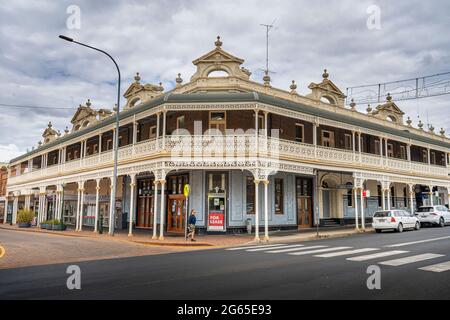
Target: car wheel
442,222
378,230
417,227
400,228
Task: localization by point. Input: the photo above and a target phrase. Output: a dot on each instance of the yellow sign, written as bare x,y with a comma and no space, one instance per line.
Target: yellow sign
2,251
187,189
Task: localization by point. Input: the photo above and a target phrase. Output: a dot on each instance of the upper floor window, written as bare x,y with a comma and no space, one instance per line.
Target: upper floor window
425,156
327,138
218,121
250,195
433,157
180,123
299,132
390,150
152,133
377,147
348,142
403,152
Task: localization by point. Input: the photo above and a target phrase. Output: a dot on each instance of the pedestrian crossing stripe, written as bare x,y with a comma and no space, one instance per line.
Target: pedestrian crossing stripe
345,253
302,253
411,259
277,247
377,255
295,249
440,267
254,247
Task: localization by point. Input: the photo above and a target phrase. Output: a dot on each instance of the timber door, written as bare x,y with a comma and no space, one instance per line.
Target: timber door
176,213
144,219
304,202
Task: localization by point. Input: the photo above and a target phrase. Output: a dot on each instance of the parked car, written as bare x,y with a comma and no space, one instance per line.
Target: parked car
433,215
396,220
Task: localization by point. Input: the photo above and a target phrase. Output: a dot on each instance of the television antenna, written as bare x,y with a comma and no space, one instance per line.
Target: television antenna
268,28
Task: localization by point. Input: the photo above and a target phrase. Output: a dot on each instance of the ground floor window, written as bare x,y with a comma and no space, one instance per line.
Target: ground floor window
380,196
250,195
278,196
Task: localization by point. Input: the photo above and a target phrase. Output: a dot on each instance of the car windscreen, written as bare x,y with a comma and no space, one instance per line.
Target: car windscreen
425,209
381,214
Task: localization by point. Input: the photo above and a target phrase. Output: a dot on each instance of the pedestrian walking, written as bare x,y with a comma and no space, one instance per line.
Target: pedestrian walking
191,225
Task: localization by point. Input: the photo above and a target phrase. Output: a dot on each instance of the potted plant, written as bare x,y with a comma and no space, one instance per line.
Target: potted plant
45,225
58,225
24,218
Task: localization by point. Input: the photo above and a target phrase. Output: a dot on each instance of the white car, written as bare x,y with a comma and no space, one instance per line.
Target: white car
434,215
396,220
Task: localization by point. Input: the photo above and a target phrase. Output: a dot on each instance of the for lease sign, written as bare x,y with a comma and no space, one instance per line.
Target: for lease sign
216,221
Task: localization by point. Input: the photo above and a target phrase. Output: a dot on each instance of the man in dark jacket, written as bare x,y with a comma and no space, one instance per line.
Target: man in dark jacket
191,225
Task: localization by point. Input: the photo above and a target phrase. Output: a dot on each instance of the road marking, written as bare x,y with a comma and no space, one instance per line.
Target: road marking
411,259
345,253
376,255
318,251
295,249
278,247
254,247
440,267
2,252
415,242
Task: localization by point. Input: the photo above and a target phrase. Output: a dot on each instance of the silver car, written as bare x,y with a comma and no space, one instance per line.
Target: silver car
433,215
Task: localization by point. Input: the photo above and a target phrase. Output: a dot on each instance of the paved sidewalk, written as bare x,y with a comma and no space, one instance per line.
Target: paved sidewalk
203,241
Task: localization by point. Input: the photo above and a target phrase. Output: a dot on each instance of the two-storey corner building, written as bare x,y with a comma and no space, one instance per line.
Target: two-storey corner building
249,151
3,181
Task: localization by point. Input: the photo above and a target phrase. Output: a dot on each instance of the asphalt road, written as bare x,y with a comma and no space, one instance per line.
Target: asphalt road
242,274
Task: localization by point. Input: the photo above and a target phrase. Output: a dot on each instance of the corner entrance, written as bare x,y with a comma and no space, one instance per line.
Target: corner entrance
304,194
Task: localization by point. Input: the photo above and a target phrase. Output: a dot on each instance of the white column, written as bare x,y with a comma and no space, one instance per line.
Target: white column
155,210
363,218
55,208
135,126
77,219
97,196
411,199
383,201
132,206
429,155
6,209
266,127
15,209
386,148
266,210
354,145
164,129
355,192
80,225
257,129
359,145
257,210
161,223
112,203
100,138
389,198
431,194
157,125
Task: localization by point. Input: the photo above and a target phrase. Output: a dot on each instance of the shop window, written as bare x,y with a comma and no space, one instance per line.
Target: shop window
250,195
278,196
299,132
380,195
405,198
392,197
152,134
349,195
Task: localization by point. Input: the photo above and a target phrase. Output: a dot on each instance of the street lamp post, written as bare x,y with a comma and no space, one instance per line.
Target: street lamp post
116,134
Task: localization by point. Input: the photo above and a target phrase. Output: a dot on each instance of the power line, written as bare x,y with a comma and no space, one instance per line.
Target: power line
5,105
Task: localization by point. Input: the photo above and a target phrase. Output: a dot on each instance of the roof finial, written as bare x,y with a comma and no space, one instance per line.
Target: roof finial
218,43
293,87
137,77
50,124
353,105
442,132
66,131
420,125
389,97
325,74
88,103
431,128
369,109
266,78
179,80
409,122
161,88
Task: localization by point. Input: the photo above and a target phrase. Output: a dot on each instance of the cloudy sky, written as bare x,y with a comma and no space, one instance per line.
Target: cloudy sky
161,38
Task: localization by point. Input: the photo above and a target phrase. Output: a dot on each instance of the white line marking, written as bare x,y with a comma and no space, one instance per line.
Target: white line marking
254,247
318,251
295,249
345,253
376,255
415,242
411,259
440,267
278,247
